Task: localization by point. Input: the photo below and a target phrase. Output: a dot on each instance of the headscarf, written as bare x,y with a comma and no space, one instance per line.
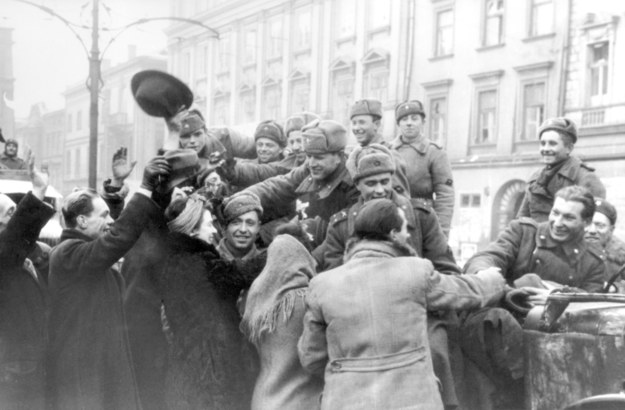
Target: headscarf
272,296
190,216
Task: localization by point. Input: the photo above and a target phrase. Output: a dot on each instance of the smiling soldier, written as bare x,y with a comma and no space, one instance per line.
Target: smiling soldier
557,139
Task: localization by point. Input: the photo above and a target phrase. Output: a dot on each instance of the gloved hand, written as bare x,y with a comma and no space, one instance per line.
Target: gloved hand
156,170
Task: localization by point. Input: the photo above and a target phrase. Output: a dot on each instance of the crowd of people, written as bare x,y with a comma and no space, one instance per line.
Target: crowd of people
286,271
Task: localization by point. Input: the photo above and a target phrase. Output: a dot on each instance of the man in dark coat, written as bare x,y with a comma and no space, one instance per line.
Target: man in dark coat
556,252
22,300
557,139
89,364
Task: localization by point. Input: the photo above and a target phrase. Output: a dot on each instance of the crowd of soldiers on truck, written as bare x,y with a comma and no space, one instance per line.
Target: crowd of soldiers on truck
286,271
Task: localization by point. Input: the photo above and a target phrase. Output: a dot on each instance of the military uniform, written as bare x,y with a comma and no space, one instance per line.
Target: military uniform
426,236
7,162
614,256
400,178
527,247
538,199
429,176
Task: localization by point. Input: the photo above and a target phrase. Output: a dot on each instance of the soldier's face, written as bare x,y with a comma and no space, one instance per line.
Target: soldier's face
376,186
195,141
565,220
10,150
365,128
552,148
267,150
241,232
322,165
296,145
599,230
411,126
7,209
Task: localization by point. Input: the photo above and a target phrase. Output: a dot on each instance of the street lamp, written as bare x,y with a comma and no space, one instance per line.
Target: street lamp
95,64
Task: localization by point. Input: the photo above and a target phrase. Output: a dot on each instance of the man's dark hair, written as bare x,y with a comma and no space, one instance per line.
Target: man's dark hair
79,202
376,219
579,194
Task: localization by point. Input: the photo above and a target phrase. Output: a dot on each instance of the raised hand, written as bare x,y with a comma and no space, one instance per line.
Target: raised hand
39,179
121,168
155,169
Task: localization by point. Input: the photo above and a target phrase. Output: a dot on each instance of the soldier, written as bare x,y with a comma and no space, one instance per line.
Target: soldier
295,143
557,138
601,232
241,213
554,251
429,170
366,118
323,184
9,159
372,170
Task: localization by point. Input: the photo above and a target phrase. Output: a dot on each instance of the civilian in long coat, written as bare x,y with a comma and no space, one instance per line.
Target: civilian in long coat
22,303
273,321
365,325
212,365
89,364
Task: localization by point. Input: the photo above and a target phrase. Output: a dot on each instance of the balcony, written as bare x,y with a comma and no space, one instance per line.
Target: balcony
607,116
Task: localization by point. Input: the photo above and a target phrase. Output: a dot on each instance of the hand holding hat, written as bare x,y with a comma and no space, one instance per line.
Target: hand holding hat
156,168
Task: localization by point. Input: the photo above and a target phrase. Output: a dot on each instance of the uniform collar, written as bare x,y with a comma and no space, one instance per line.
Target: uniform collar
573,249
328,185
420,147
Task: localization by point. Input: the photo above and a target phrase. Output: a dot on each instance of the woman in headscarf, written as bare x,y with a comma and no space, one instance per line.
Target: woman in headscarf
273,321
212,365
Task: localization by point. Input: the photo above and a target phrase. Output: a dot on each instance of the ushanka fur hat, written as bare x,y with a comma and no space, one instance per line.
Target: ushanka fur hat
240,203
369,160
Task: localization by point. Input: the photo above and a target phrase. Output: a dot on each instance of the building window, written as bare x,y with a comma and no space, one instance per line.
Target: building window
274,37
599,61
221,107
345,18
248,106
202,62
493,22
342,94
249,46
68,163
376,81
487,117
69,123
470,200
271,101
379,14
541,17
444,32
300,95
438,120
223,54
303,24
533,109
78,120
185,65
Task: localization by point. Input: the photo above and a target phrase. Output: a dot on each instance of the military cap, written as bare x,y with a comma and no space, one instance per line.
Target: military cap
606,208
366,107
241,203
191,123
324,136
12,141
409,108
297,121
271,130
160,94
560,124
370,160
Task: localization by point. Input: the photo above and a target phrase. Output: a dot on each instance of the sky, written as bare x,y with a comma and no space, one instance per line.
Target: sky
47,56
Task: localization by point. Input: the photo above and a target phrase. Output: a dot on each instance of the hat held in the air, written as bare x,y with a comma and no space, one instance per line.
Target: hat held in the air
160,94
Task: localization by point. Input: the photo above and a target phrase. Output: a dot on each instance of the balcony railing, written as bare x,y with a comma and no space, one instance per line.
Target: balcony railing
598,116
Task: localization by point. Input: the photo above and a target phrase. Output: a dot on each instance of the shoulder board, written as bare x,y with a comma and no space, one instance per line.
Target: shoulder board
420,204
588,167
338,217
436,144
526,220
595,251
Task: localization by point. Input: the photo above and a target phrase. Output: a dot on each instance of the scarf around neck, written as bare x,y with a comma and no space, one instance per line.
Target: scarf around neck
273,294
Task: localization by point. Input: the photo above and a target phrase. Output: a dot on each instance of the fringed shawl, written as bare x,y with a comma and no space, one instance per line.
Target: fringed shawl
273,294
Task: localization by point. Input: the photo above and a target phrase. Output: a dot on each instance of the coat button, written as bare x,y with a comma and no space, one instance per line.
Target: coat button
542,237
576,250
537,261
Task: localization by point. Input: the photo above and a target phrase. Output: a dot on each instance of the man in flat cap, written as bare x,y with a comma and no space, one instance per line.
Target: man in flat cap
601,232
322,184
557,137
366,119
9,158
428,168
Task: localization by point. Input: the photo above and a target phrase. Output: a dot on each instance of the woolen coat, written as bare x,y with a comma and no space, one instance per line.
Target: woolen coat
365,327
23,309
212,365
538,200
89,363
